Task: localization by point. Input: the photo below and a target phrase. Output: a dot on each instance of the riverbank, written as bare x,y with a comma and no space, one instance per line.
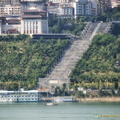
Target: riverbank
92,99
99,99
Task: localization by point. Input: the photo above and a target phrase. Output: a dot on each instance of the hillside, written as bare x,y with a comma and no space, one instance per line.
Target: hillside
116,30
67,26
23,61
97,68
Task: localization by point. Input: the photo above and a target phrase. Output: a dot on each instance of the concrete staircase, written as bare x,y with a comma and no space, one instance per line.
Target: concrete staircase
105,27
62,70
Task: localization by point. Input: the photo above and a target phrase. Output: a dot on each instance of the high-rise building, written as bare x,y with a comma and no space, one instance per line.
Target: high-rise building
65,11
103,5
115,3
85,7
10,10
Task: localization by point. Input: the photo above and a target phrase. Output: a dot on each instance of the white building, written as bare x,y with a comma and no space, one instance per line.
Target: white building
65,11
33,21
10,25
59,1
85,7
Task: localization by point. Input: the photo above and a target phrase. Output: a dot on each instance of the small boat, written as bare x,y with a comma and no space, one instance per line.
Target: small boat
49,104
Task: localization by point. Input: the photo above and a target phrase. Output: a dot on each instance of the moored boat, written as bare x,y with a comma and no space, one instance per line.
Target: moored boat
64,99
49,104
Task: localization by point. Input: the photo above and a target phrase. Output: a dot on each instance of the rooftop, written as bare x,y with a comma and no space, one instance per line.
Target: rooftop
33,12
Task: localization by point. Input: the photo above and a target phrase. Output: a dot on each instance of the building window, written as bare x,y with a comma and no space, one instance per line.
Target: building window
36,26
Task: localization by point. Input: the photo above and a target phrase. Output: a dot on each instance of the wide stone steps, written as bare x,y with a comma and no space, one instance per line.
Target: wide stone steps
62,70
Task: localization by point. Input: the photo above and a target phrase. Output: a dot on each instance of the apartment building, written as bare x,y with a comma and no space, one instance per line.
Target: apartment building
85,7
115,3
66,11
59,1
103,5
9,2
10,10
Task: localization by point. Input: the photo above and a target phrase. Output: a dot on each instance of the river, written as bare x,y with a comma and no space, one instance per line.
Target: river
63,111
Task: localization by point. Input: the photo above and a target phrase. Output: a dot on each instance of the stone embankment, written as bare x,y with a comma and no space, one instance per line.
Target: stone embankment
88,99
99,99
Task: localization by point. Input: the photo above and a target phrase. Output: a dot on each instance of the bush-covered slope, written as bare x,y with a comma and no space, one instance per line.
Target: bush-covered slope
69,26
116,30
23,61
97,68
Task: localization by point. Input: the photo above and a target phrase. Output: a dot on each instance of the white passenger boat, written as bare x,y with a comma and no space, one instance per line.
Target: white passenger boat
64,99
20,96
7,100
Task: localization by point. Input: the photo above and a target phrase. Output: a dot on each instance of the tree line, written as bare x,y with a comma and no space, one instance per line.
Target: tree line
67,26
23,61
97,69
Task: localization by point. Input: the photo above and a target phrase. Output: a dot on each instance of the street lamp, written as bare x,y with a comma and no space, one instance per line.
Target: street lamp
117,64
